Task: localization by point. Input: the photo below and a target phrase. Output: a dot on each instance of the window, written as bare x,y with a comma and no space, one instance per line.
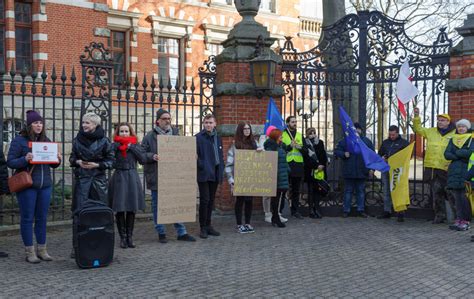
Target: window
215,49
23,53
168,59
267,5
116,46
311,9
2,34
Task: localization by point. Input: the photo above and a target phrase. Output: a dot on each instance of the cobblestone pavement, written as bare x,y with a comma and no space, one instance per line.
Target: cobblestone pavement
332,257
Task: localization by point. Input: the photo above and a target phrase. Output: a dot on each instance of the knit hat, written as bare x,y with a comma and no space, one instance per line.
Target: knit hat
463,122
444,115
357,126
160,112
32,116
269,130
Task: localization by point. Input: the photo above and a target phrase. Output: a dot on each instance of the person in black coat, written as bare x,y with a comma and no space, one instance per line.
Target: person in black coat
125,187
315,159
393,144
210,172
3,185
92,154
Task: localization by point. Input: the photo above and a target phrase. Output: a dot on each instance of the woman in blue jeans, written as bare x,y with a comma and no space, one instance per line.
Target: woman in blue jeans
34,201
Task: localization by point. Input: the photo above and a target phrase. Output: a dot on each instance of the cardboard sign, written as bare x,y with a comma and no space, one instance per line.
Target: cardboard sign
177,177
255,173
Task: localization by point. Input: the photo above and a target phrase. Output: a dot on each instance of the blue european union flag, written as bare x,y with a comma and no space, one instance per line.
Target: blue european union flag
356,146
273,117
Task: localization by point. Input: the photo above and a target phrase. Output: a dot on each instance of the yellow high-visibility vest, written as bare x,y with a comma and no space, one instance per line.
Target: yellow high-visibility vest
471,162
294,155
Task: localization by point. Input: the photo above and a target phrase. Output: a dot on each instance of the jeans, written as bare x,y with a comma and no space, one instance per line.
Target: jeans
387,198
160,228
463,206
34,205
207,194
351,185
295,183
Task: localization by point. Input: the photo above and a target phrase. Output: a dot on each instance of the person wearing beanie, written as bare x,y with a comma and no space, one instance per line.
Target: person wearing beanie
149,144
435,164
34,201
458,151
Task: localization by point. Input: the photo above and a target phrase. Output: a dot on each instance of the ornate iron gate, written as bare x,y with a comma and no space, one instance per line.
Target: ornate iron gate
356,65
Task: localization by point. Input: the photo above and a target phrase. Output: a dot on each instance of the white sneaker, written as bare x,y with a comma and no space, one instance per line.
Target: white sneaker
268,217
283,219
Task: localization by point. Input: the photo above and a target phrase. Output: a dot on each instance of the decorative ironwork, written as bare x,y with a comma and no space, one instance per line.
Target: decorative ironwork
356,64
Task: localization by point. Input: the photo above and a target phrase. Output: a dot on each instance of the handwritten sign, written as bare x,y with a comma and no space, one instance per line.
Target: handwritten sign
255,173
177,171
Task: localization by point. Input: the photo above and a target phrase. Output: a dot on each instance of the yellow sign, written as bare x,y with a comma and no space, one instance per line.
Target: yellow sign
399,170
255,173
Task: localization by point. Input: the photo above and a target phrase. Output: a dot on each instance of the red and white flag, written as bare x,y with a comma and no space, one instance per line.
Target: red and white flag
405,89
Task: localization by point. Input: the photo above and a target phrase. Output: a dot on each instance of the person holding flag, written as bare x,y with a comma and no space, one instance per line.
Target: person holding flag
293,142
435,165
458,151
354,167
393,144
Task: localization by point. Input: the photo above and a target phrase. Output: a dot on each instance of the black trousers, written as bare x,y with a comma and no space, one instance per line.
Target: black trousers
240,201
313,197
295,183
207,194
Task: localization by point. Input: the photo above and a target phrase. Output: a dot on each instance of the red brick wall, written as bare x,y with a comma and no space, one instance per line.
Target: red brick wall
461,104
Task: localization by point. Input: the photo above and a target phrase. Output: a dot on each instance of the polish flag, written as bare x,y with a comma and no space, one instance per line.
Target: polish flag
405,88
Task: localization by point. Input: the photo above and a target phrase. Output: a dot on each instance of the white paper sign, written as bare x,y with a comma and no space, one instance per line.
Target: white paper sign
44,153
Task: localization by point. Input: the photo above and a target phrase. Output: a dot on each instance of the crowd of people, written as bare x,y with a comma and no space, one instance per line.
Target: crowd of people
301,159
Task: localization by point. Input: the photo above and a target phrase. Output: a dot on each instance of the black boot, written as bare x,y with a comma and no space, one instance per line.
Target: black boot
130,224
120,220
275,217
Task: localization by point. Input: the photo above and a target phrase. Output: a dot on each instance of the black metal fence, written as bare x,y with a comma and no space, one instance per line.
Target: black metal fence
63,97
356,65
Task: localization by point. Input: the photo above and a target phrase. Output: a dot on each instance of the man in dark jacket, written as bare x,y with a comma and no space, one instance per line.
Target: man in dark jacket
210,172
3,184
355,173
393,144
149,143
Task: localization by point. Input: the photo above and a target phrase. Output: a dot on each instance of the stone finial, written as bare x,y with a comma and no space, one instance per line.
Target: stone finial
466,46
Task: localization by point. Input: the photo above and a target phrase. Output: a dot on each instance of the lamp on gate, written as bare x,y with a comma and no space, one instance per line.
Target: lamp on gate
306,115
262,69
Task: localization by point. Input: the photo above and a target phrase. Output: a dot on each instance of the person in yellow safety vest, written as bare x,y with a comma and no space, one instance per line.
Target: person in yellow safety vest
470,179
459,150
293,142
435,165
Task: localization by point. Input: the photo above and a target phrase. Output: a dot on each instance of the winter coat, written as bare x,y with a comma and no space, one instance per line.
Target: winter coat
459,157
283,167
149,144
125,187
16,160
229,166
3,175
354,166
436,144
390,147
91,183
312,162
207,171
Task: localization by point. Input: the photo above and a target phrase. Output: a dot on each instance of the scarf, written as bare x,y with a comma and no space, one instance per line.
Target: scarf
160,131
460,139
124,142
213,135
447,130
87,138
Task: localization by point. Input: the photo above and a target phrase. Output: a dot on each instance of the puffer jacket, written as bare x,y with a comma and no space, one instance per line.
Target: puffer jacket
41,173
149,145
3,175
459,157
436,144
283,167
354,166
91,183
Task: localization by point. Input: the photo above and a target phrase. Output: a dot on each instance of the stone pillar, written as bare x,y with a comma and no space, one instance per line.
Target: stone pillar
235,98
461,79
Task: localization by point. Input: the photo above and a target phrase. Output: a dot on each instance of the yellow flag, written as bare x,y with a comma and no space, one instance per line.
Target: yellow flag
399,170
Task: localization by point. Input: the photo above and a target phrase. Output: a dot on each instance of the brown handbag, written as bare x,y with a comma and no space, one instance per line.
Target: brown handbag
20,181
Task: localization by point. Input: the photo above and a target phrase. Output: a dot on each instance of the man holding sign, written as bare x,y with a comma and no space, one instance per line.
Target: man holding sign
149,143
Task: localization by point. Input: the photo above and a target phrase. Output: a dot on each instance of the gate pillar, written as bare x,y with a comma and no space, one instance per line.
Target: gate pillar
461,79
235,96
